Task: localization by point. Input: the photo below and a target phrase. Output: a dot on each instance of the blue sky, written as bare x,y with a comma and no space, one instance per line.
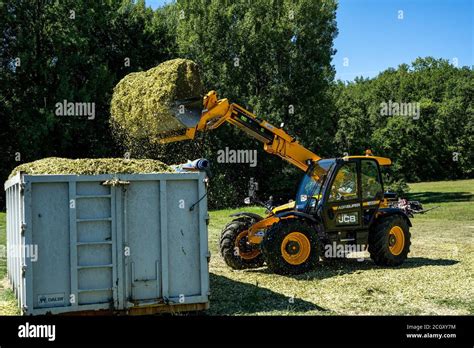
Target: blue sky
372,38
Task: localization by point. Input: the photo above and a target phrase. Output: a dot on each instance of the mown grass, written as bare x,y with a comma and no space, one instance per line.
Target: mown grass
7,298
436,279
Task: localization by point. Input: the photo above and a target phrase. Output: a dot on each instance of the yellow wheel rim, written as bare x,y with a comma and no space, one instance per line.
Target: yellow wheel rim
295,248
246,255
396,240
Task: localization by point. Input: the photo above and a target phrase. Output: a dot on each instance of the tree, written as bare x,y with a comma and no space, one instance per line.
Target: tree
433,141
273,57
53,51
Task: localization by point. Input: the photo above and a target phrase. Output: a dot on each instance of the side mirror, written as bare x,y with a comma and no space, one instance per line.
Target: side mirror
247,200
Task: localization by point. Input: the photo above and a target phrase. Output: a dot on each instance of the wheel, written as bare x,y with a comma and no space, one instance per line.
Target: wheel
234,246
389,241
291,247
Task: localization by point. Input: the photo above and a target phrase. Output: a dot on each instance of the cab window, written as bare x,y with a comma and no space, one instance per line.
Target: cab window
344,186
370,179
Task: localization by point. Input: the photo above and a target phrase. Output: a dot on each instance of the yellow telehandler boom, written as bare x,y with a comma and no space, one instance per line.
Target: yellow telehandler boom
219,111
276,141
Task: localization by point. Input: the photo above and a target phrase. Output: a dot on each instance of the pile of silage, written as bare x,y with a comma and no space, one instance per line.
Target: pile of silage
142,102
92,166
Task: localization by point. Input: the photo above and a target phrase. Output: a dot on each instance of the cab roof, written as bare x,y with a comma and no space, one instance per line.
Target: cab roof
382,161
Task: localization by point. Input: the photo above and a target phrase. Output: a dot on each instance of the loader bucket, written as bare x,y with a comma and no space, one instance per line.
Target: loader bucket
187,111
183,116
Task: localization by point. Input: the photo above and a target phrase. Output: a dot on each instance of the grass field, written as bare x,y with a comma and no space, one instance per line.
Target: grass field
436,279
7,299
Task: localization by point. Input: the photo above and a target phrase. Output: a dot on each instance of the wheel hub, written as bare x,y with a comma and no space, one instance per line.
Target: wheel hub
396,240
392,240
246,251
292,248
295,248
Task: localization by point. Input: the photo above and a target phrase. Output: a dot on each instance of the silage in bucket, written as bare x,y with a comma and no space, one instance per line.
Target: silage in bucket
142,103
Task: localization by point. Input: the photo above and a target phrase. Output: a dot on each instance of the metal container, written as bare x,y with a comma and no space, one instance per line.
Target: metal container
134,243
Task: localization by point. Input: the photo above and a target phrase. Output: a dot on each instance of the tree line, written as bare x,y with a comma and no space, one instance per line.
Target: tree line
271,56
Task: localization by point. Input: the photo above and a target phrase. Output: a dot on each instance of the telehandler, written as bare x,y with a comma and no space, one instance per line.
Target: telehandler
340,201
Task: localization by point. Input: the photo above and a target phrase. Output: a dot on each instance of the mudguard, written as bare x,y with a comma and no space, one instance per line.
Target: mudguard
296,213
253,216
393,211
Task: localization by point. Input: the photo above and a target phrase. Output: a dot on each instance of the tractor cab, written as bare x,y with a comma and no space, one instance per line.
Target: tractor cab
339,202
344,193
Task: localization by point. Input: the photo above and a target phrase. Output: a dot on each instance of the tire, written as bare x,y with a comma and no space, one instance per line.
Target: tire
231,249
389,241
291,246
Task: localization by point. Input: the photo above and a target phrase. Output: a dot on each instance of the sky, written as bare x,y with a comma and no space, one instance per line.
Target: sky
378,34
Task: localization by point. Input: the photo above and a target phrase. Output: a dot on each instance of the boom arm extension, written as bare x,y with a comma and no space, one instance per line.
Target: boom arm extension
276,141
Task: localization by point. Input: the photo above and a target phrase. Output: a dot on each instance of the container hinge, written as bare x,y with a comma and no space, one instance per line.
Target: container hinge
24,309
115,182
207,219
208,255
22,228
23,270
22,188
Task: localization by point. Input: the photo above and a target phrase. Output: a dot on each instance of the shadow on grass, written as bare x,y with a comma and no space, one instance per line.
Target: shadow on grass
441,197
413,262
347,266
230,297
